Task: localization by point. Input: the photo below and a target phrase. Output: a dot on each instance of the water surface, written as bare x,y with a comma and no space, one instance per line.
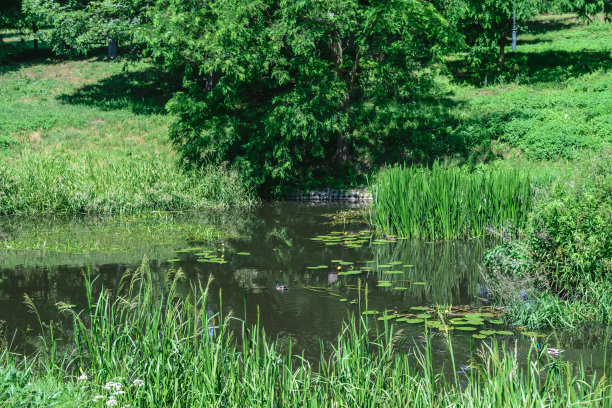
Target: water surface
276,242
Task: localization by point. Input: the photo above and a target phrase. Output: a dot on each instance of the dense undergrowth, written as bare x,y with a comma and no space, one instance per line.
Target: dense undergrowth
559,272
140,346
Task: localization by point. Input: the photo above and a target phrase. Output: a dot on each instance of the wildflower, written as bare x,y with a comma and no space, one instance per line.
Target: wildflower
138,383
99,397
111,402
111,385
82,377
119,392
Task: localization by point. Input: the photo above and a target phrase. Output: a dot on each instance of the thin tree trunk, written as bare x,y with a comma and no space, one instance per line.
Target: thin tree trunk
35,30
502,43
342,148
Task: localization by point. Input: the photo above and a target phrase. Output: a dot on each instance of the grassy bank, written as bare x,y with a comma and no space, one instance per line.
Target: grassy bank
144,347
91,136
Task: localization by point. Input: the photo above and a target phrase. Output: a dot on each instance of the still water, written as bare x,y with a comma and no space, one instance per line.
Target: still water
319,252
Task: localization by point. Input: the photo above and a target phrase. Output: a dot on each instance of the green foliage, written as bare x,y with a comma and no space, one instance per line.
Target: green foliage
487,24
449,203
99,183
281,89
78,26
570,238
586,9
187,357
559,275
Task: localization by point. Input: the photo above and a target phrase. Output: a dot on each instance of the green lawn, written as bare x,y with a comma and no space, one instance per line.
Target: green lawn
91,136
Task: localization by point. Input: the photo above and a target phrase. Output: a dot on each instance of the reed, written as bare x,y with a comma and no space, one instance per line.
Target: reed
141,345
446,203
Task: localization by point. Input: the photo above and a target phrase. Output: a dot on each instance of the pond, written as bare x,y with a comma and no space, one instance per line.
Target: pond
321,252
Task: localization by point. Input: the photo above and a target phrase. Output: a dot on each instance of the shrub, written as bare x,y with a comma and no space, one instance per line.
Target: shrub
570,238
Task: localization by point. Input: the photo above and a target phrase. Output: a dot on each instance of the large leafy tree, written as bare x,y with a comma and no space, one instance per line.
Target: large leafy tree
77,26
487,24
282,88
586,8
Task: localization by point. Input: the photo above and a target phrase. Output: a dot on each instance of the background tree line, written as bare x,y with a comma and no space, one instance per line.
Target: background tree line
288,91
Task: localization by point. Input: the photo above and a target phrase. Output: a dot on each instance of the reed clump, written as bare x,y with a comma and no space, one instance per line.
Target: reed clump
446,203
144,346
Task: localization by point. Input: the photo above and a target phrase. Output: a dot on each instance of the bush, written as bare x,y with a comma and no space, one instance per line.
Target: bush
560,275
570,239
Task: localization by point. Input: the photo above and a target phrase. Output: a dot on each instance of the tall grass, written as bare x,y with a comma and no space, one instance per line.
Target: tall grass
141,345
105,183
448,203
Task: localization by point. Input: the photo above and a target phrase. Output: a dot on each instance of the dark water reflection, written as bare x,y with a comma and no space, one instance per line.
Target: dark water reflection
278,238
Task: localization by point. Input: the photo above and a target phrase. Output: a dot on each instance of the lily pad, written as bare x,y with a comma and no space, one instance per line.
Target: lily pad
410,321
408,266
350,273
487,332
399,288
369,312
418,308
343,300
475,322
243,253
336,260
466,328
495,321
383,284
418,283
530,334
395,263
346,263
387,317
317,267
504,332
479,336
424,316
394,272
173,260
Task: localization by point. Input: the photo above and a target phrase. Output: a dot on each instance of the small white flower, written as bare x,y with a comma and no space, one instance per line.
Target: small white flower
82,377
566,116
99,397
111,385
111,402
119,392
138,383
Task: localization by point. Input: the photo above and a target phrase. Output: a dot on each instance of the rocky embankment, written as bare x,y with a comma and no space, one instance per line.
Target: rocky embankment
328,194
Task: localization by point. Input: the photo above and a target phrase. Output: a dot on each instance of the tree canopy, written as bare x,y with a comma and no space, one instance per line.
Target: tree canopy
281,88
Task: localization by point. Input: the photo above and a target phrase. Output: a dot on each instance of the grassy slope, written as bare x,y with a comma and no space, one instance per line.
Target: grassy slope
553,97
90,136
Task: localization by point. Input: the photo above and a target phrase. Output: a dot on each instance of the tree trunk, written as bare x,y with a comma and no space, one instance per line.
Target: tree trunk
113,49
342,149
502,43
35,30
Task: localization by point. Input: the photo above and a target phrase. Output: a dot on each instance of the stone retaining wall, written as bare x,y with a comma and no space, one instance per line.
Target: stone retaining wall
328,194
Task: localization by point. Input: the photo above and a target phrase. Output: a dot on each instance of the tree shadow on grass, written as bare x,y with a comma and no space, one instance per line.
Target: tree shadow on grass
535,67
142,92
555,23
554,66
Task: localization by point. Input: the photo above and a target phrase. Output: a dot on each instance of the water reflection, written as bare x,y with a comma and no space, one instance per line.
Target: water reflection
278,238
